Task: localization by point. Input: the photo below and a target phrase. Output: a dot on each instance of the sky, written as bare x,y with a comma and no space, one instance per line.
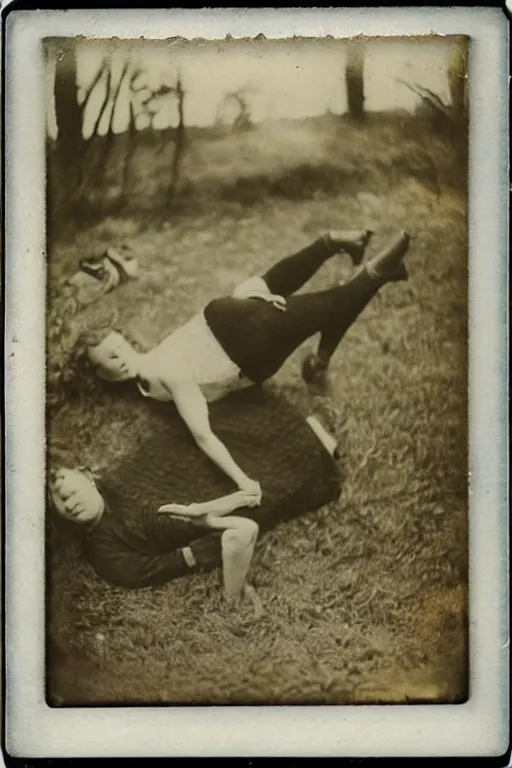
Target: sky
280,79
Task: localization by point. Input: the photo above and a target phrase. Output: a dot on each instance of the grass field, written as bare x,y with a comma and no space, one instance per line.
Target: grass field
364,601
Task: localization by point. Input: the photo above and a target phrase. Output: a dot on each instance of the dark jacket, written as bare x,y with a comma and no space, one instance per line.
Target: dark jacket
133,547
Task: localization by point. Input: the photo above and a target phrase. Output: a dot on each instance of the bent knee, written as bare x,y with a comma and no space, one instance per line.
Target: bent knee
245,532
250,286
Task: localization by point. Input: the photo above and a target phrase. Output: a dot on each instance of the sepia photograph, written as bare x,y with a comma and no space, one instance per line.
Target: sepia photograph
256,364
257,371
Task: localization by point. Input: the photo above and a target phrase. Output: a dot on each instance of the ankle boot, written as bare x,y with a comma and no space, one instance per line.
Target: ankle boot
340,241
388,265
314,373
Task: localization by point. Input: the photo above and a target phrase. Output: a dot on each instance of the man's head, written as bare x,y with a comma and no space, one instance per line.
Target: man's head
113,358
75,496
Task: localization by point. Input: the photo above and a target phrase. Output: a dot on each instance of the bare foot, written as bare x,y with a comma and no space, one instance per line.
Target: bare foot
251,595
248,596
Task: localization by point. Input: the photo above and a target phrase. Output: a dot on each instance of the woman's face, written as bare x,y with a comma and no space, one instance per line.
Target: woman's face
113,358
76,497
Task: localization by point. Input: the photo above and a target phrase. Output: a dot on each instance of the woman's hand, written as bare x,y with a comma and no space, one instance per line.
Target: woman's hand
247,499
193,409
256,288
251,487
279,302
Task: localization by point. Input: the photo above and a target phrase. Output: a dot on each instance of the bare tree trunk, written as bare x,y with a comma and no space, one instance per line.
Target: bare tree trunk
131,139
106,156
458,85
95,164
100,163
458,78
70,141
354,78
242,121
179,141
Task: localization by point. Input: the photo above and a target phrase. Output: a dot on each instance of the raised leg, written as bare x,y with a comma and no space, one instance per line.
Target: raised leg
259,338
291,273
386,267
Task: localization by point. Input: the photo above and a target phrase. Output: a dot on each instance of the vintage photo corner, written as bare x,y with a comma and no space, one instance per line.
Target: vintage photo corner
257,371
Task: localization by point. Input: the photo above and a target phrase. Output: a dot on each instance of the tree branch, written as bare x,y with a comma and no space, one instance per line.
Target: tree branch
94,83
105,102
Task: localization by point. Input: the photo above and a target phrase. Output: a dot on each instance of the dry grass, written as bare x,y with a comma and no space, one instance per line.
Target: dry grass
363,601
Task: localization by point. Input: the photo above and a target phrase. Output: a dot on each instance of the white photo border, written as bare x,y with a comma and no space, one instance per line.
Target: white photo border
476,728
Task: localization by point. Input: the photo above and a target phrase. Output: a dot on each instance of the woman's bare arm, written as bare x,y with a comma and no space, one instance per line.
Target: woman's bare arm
193,409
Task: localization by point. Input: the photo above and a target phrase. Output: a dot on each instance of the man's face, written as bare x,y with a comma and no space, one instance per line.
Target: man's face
76,497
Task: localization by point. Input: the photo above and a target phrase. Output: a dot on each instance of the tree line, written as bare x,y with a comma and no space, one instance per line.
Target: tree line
81,164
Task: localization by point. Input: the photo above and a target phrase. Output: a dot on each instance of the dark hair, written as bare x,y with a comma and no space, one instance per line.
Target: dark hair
95,332
79,365
59,528
71,327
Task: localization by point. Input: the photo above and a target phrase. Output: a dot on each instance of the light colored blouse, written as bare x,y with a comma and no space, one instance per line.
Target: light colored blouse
192,352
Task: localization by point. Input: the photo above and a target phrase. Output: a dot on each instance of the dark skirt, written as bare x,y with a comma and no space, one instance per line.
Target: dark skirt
266,436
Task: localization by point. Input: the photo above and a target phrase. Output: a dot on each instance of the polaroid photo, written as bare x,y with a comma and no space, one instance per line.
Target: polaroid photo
256,410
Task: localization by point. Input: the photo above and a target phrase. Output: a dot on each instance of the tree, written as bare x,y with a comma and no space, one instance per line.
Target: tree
67,109
458,78
89,161
107,110
243,120
165,98
449,121
131,137
354,78
237,100
450,116
179,138
71,145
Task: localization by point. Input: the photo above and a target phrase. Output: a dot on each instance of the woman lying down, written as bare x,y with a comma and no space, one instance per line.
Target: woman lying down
244,339
165,510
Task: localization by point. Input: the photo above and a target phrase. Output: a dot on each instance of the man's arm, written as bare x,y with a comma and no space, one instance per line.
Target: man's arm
224,505
232,548
193,409
122,566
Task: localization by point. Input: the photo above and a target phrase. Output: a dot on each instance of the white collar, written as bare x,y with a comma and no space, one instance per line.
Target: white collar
141,389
